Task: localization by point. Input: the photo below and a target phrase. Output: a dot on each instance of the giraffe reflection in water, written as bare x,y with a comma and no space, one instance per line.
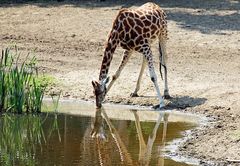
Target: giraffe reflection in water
103,130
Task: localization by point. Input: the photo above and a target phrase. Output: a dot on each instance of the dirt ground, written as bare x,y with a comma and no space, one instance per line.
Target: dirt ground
68,38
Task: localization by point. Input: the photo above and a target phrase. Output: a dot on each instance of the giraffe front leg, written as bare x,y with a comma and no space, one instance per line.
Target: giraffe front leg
126,56
135,93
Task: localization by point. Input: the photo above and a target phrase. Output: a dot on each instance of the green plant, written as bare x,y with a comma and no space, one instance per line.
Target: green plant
21,89
5,64
36,94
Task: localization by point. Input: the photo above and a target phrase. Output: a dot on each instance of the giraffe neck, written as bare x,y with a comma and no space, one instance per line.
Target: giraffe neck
108,55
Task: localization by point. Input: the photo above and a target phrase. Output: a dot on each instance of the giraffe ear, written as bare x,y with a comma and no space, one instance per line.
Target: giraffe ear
95,84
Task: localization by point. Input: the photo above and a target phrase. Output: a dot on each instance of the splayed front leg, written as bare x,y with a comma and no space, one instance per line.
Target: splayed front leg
135,93
126,56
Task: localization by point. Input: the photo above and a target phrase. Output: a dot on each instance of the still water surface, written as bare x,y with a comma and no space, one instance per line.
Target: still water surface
90,137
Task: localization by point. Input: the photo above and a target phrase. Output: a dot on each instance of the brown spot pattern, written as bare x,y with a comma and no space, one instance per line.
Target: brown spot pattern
133,28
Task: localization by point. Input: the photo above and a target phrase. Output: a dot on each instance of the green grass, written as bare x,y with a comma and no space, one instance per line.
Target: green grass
21,88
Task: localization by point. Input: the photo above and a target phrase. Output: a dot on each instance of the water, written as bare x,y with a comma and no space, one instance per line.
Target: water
81,135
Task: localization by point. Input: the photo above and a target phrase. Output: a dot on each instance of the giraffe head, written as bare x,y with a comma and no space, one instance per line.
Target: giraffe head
100,90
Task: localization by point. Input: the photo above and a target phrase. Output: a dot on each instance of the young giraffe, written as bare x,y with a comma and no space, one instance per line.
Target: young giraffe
135,30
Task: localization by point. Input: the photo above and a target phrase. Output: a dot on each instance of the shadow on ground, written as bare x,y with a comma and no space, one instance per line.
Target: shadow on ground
182,102
193,4
206,23
203,17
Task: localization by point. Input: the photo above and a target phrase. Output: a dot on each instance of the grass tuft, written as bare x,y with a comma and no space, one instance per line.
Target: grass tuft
21,89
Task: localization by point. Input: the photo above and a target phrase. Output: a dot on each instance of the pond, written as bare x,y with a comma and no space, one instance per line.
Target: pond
81,135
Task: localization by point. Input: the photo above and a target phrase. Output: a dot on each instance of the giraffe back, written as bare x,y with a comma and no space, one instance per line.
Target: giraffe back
136,27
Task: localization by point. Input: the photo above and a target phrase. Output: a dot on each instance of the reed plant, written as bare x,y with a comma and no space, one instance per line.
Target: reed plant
20,87
5,63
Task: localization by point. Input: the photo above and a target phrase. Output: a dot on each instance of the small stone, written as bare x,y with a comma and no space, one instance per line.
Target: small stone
219,126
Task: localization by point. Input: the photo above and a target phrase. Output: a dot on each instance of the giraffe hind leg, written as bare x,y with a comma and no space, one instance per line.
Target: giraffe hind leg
163,59
148,55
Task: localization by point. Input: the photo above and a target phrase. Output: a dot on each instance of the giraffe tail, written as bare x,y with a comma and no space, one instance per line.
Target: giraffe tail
160,60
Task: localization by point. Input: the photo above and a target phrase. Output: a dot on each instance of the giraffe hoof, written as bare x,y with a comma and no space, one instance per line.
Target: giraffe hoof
134,95
167,97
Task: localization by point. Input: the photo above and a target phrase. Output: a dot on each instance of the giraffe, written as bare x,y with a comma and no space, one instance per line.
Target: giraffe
134,30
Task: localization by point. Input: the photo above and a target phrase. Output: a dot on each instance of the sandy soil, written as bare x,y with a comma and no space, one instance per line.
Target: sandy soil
204,62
